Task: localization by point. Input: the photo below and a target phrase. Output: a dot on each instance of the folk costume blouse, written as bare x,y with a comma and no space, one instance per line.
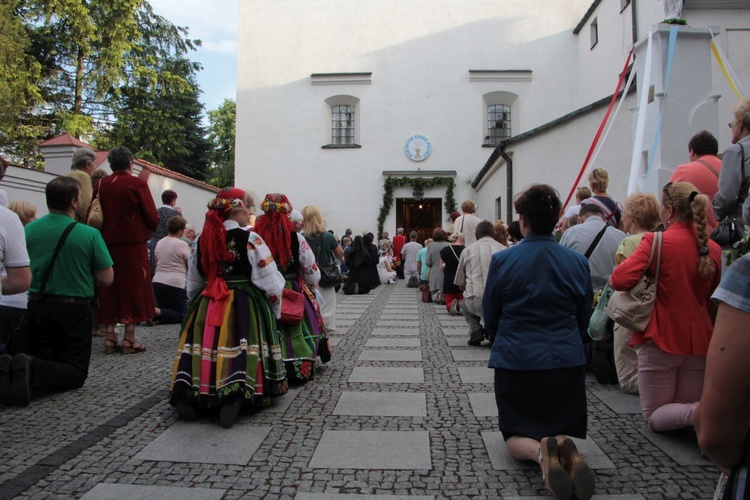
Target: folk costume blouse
265,275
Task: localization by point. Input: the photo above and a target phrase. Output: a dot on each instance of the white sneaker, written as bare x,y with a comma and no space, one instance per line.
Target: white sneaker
454,308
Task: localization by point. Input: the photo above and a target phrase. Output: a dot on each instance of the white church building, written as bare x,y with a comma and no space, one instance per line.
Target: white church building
471,100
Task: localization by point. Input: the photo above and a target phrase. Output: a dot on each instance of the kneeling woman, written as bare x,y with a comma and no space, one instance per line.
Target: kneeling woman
229,352
537,304
302,342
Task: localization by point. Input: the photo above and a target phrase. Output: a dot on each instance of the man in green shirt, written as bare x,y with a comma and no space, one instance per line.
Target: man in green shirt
57,347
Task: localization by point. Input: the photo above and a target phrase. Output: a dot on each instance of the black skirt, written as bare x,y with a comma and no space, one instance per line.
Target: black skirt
541,403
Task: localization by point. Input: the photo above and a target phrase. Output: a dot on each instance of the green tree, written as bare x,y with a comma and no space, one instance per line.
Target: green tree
221,132
162,124
114,72
18,91
81,45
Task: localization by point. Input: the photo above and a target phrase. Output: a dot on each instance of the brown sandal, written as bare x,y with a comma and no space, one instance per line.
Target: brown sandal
132,347
111,346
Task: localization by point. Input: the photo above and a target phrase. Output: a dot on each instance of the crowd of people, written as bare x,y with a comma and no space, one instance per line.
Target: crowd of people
256,298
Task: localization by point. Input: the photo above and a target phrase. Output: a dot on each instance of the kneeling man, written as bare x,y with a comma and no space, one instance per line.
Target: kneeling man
67,260
471,276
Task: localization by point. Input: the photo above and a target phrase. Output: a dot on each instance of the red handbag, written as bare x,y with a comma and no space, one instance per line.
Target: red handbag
292,307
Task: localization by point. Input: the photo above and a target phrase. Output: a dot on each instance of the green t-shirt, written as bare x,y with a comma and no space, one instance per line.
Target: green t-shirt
328,245
83,253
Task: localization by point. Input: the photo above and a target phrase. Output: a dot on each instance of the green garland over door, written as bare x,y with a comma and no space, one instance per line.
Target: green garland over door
415,182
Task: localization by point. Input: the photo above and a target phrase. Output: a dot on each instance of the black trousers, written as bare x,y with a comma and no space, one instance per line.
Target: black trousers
172,302
59,341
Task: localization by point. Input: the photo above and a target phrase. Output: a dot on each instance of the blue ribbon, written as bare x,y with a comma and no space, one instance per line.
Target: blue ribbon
670,59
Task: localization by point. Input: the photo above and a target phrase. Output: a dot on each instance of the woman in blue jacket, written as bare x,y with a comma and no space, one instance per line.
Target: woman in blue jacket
537,305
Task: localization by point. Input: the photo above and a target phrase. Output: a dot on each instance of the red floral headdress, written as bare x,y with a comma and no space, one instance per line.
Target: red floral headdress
275,227
213,248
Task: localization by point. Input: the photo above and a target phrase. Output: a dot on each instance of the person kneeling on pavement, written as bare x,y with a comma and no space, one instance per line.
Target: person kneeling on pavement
52,349
471,277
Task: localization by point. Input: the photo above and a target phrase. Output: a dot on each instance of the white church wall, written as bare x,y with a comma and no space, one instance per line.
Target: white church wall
556,156
419,55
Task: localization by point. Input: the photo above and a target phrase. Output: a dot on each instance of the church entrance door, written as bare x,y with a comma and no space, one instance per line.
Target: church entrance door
422,216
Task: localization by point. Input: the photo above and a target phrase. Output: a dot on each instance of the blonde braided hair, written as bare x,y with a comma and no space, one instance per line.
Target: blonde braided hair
691,206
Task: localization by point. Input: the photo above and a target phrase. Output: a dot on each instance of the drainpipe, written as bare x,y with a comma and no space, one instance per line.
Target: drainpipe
508,182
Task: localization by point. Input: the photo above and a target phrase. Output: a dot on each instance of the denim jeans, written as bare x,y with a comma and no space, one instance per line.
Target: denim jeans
172,302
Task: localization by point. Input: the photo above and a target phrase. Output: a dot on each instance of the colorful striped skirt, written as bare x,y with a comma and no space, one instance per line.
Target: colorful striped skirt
302,343
242,357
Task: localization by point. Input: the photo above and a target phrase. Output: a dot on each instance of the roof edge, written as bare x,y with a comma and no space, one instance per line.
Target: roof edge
542,128
586,17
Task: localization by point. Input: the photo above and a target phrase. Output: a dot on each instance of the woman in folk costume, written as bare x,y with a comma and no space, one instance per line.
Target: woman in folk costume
300,343
229,352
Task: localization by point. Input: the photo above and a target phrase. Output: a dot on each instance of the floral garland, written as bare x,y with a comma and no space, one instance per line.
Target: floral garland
224,204
276,203
416,182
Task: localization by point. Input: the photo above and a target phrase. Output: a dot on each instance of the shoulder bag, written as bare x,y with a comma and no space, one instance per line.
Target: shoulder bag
330,276
633,308
18,341
729,231
95,217
292,307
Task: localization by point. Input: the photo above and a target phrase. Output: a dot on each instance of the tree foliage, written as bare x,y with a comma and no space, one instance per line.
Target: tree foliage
109,72
221,134
19,93
156,111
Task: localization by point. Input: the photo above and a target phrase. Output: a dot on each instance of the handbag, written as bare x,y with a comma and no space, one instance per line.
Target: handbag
728,232
600,325
633,308
95,217
18,340
292,307
330,276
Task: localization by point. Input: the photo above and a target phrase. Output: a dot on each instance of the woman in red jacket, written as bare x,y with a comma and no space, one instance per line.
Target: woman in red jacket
130,217
672,350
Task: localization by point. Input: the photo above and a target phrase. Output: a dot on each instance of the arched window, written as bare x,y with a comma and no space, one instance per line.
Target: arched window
344,121
498,113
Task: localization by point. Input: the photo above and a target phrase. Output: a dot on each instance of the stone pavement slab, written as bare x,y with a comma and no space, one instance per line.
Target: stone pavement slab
390,355
282,403
343,496
205,442
476,375
382,450
463,332
382,404
393,342
471,354
406,332
618,401
595,497
400,323
483,404
387,374
109,491
502,460
681,446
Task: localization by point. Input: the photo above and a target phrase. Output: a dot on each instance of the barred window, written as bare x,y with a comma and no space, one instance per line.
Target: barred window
342,125
498,123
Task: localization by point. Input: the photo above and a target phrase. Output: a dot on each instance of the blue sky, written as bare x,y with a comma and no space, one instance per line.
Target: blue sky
214,22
